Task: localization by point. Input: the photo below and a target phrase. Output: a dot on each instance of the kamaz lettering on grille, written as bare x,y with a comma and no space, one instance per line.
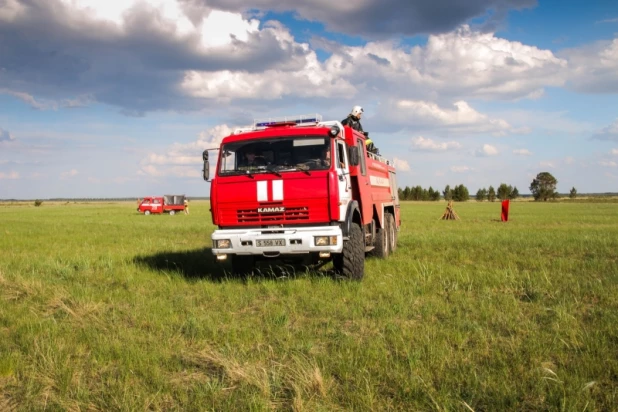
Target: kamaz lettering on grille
271,209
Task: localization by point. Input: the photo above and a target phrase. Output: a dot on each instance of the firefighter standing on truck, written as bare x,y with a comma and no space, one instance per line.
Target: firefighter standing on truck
353,121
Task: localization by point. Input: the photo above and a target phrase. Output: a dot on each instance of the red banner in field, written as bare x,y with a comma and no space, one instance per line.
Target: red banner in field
505,210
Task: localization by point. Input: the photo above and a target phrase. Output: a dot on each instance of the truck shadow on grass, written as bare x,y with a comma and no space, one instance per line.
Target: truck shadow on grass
200,265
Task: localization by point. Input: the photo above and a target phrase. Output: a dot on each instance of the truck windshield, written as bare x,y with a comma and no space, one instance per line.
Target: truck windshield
281,154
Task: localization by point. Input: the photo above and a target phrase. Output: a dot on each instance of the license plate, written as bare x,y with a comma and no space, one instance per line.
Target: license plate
270,242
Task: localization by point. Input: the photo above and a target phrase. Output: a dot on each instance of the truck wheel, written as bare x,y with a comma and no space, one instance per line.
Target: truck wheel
382,247
391,231
350,263
242,265
147,212
172,212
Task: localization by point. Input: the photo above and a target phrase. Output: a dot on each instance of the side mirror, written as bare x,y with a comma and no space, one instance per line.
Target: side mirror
366,134
206,171
354,156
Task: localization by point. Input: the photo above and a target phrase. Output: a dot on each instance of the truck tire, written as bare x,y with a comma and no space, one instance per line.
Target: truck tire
382,247
350,263
391,231
242,265
147,212
172,212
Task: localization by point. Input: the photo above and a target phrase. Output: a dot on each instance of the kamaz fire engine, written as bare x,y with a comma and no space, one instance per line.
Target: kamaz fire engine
302,188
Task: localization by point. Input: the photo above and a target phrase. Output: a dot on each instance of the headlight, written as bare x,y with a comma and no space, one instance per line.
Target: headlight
325,240
321,240
223,244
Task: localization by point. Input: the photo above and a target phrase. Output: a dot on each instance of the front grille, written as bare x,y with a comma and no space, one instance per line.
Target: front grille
292,214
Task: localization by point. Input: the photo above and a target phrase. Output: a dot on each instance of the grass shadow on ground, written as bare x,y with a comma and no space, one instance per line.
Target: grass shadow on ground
200,264
192,264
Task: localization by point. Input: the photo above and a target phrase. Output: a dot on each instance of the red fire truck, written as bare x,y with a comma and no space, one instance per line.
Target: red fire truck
276,194
162,204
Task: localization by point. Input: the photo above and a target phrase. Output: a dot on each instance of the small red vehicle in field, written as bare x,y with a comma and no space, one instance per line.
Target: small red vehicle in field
163,204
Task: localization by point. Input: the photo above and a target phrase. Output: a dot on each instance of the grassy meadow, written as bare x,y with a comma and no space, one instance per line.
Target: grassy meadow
105,309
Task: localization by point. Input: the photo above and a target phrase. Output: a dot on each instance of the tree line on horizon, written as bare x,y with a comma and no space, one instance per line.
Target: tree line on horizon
543,188
459,193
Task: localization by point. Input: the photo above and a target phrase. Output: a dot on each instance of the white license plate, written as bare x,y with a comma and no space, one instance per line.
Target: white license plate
270,242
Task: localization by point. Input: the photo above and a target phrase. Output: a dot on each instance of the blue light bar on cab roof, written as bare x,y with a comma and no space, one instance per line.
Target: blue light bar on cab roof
300,119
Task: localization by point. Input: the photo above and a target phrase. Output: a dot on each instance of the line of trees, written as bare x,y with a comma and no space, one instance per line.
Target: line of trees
504,192
458,193
543,188
419,193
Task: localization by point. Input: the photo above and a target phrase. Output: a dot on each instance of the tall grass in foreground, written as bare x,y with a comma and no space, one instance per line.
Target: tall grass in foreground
102,308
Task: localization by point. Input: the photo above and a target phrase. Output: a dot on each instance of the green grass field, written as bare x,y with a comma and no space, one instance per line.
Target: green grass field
105,309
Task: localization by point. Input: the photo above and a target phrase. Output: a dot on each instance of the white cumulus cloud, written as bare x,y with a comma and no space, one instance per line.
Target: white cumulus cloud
220,28
401,165
461,118
461,64
489,66
184,159
593,68
487,150
313,79
424,144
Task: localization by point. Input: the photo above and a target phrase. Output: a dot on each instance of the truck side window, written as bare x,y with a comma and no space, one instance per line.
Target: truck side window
361,151
341,155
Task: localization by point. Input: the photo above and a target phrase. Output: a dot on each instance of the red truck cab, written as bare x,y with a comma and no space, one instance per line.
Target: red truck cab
315,192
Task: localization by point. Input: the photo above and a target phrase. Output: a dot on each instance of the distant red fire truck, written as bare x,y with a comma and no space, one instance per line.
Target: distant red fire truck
162,204
301,187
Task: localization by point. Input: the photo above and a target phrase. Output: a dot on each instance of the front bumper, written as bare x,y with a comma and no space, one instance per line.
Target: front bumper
296,240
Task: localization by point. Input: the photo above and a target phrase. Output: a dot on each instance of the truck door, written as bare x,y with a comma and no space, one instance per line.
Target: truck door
156,206
343,175
364,184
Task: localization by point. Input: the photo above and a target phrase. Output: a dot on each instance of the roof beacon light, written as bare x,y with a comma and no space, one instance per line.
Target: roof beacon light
305,119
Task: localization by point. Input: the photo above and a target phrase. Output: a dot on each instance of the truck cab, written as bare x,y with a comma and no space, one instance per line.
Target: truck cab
299,187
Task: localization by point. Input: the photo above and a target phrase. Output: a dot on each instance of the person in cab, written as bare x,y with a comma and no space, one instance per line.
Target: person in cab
252,160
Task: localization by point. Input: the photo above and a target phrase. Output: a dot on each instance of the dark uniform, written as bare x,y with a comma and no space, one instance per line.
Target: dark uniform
353,122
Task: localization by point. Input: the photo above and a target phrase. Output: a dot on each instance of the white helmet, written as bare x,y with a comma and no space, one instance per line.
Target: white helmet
356,111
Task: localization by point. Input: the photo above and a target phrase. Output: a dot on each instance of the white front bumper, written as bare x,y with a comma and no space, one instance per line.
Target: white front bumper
298,240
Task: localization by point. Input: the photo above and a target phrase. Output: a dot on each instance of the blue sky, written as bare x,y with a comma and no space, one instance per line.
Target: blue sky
118,99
